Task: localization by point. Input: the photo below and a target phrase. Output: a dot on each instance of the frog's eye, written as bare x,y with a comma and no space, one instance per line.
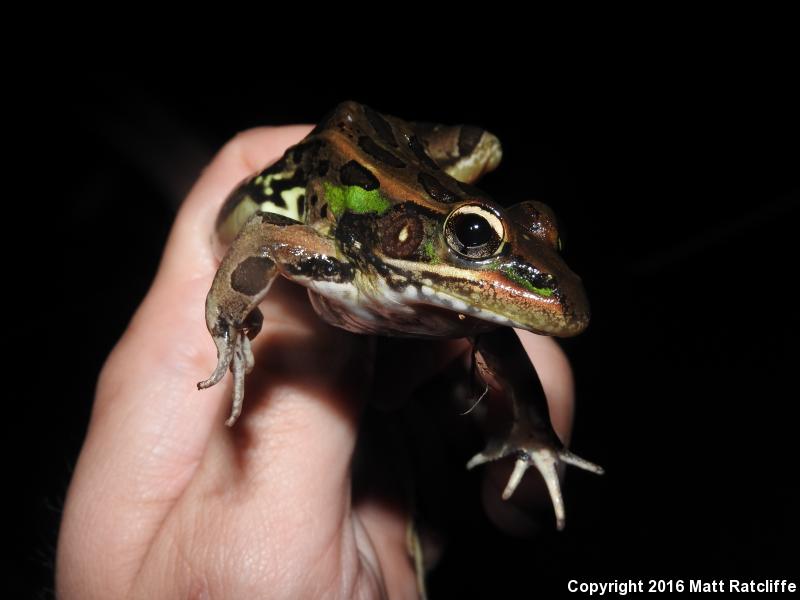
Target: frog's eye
474,231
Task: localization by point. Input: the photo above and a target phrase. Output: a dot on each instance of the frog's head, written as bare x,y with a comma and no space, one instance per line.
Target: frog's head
503,266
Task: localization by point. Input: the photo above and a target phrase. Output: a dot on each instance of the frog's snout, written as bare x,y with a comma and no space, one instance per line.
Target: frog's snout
574,308
549,297
569,314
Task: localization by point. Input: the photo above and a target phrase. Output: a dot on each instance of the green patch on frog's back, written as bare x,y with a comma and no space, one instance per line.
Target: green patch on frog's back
355,199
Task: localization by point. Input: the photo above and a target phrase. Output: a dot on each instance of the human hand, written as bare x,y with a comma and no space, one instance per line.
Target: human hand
167,502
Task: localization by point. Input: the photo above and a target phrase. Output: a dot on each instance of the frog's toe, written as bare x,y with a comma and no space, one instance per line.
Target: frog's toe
241,365
495,450
576,461
545,459
235,353
224,357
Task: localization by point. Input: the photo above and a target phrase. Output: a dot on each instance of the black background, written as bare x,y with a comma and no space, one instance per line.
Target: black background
677,187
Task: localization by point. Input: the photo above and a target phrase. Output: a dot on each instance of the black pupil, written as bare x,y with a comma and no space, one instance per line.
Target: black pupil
472,230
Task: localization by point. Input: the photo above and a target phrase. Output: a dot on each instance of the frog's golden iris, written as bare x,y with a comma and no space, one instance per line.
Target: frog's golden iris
474,231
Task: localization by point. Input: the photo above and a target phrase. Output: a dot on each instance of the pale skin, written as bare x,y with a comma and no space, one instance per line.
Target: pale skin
168,502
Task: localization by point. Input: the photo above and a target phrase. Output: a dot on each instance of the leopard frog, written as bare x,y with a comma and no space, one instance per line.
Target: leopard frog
379,219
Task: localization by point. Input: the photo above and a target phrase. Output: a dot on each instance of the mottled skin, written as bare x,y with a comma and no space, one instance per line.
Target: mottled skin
377,217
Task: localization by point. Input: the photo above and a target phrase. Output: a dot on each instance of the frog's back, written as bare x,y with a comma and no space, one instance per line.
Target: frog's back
376,151
356,146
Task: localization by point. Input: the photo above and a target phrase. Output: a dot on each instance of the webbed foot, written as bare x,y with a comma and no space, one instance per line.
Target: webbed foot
532,452
501,358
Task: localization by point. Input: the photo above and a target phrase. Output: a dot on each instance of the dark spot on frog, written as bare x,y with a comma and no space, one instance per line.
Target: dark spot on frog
310,148
357,238
323,268
381,126
252,275
252,323
323,211
400,233
435,189
221,327
419,152
468,138
312,200
369,146
471,190
355,174
301,205
322,167
355,233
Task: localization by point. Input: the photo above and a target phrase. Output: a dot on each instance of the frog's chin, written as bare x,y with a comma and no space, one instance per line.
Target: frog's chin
547,325
551,323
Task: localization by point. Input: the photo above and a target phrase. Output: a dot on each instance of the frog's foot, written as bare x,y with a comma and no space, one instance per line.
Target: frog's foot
234,352
544,456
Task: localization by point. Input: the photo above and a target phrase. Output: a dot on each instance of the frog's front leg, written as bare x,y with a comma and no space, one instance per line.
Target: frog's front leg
268,245
502,359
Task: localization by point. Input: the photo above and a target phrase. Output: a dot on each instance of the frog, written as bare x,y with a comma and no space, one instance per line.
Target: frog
380,219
